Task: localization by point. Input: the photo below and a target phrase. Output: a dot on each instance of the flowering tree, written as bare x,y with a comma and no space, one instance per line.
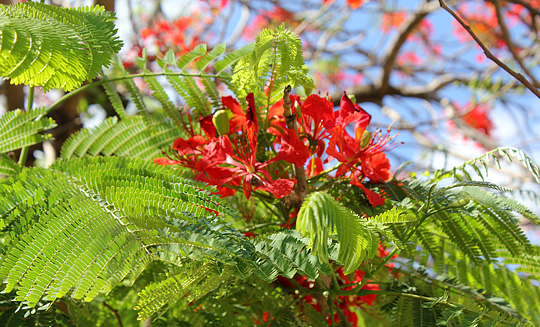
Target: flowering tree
255,200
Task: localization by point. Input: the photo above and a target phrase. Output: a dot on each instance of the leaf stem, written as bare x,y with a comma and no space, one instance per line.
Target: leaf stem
29,106
106,80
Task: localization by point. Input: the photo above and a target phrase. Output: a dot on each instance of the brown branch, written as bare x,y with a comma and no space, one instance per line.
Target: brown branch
115,312
370,93
401,37
301,188
510,44
488,53
530,8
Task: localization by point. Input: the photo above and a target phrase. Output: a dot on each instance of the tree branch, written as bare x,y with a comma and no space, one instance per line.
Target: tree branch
488,53
301,188
510,43
370,93
399,40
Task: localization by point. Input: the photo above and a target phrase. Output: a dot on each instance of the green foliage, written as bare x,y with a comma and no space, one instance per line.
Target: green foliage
107,234
7,166
105,222
192,282
275,61
43,45
460,172
130,137
287,255
321,216
20,129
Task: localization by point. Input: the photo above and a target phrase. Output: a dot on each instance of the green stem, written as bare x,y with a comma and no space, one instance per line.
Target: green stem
106,80
29,106
324,173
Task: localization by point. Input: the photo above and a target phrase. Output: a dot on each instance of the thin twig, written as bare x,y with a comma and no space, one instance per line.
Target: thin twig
488,53
115,312
510,43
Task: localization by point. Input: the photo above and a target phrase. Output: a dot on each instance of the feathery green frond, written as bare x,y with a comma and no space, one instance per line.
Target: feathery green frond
184,60
129,137
232,58
287,254
194,97
276,61
20,129
494,156
159,93
107,233
477,222
493,200
395,215
210,56
8,167
194,281
321,216
53,47
115,100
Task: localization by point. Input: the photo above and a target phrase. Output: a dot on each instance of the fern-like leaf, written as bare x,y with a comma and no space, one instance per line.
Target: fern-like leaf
7,166
44,45
193,282
232,58
287,254
131,137
20,129
321,216
482,161
77,228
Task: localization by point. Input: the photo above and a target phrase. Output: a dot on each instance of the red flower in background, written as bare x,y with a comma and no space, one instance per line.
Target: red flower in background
478,118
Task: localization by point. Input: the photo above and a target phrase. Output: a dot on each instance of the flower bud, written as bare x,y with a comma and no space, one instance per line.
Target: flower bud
366,137
221,122
459,203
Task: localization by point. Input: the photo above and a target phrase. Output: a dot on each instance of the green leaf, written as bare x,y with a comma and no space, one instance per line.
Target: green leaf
20,129
321,216
53,47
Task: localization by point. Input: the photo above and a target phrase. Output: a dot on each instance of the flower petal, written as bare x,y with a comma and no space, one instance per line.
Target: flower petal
351,112
373,198
292,149
279,188
319,108
376,167
208,126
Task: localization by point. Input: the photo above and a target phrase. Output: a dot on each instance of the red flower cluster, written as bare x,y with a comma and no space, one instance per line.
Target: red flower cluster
229,161
166,35
348,304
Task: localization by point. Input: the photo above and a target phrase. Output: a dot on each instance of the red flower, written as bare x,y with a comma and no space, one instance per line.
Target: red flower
362,155
478,118
355,4
239,158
